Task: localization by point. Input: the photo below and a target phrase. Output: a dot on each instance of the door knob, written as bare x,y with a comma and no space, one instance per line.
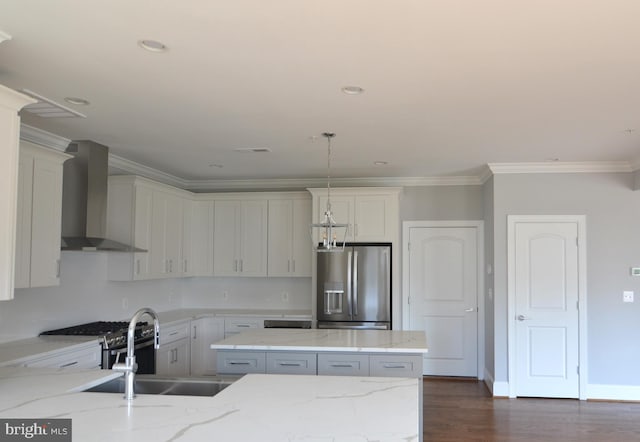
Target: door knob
523,318
469,310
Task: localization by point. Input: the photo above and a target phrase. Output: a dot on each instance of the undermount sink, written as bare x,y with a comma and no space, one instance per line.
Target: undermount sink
151,384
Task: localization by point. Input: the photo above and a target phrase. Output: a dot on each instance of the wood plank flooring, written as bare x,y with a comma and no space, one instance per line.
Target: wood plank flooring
463,410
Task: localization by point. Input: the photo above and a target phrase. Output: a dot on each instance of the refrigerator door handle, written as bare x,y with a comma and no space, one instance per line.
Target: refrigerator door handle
349,284
355,284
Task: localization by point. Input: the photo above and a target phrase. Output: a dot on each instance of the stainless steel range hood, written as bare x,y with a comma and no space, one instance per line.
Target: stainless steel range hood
84,200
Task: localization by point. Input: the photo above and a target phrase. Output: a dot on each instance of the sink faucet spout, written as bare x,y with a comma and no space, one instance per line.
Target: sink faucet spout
129,367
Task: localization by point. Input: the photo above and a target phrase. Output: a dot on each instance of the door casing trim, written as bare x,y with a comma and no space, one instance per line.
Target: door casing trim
580,221
479,226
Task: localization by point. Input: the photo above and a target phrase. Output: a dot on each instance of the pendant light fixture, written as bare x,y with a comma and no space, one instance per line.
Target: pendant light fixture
324,235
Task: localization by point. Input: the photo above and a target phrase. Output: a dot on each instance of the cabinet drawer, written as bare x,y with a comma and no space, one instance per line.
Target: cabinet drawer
241,362
174,333
291,363
343,364
408,366
233,326
83,358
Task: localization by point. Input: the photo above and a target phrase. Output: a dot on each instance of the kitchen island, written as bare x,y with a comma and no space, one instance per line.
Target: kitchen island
256,407
323,351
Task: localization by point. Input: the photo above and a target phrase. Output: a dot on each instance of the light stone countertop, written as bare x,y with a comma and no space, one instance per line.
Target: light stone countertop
367,341
14,352
170,316
255,408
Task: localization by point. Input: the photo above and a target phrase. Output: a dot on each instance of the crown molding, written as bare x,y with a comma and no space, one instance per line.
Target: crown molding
124,166
561,167
43,138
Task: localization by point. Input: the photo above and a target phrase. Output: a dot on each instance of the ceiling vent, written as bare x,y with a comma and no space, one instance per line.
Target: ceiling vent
253,149
46,108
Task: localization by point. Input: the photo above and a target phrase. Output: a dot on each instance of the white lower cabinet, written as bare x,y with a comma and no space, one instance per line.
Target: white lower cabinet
173,358
343,364
204,332
84,358
233,326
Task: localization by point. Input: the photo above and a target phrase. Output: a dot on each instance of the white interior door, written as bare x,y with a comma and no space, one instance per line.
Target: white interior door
546,309
443,297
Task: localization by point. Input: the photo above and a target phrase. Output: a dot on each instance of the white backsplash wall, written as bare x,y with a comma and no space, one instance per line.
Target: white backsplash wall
247,293
84,295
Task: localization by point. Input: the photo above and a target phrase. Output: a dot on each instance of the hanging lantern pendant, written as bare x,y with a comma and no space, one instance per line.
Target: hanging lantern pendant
329,228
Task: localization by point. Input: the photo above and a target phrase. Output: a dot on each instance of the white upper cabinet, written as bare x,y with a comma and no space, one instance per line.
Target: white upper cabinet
10,103
240,237
197,238
39,215
289,242
372,214
129,212
148,216
166,235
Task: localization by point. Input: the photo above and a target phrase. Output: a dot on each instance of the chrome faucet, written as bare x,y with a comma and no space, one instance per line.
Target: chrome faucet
129,367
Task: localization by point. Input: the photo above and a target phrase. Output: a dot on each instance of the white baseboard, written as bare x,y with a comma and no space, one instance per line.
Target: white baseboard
613,392
497,389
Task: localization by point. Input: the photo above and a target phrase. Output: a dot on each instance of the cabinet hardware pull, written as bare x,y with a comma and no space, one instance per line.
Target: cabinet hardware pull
69,364
174,333
288,265
239,363
235,265
138,266
294,266
342,365
243,325
195,331
290,364
185,266
393,366
241,265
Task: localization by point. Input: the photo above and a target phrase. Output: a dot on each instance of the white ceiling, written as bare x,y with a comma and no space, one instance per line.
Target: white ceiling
449,85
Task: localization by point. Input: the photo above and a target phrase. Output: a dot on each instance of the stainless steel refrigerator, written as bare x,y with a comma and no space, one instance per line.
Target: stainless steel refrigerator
354,287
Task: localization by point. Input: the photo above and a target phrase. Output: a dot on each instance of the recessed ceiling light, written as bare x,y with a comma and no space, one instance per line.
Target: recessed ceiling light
152,45
352,90
76,100
219,166
380,163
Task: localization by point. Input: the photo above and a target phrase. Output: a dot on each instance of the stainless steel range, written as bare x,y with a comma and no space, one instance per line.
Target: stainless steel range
113,335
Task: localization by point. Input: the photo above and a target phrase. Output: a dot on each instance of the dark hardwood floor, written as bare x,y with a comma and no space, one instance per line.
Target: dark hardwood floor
463,410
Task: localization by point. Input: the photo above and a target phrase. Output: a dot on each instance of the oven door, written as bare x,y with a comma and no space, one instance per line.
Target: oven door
145,356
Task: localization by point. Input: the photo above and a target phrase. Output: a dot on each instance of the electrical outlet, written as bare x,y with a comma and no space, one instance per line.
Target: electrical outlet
627,296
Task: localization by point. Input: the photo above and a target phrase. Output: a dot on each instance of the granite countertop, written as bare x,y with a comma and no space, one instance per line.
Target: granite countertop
41,346
368,341
257,407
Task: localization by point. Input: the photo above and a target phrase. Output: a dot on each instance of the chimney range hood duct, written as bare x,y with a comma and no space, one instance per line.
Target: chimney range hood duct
84,199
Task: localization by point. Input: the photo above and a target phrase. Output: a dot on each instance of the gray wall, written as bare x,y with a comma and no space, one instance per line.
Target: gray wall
435,203
612,210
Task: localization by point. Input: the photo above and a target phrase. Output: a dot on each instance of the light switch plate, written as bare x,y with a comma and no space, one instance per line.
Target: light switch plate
627,296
